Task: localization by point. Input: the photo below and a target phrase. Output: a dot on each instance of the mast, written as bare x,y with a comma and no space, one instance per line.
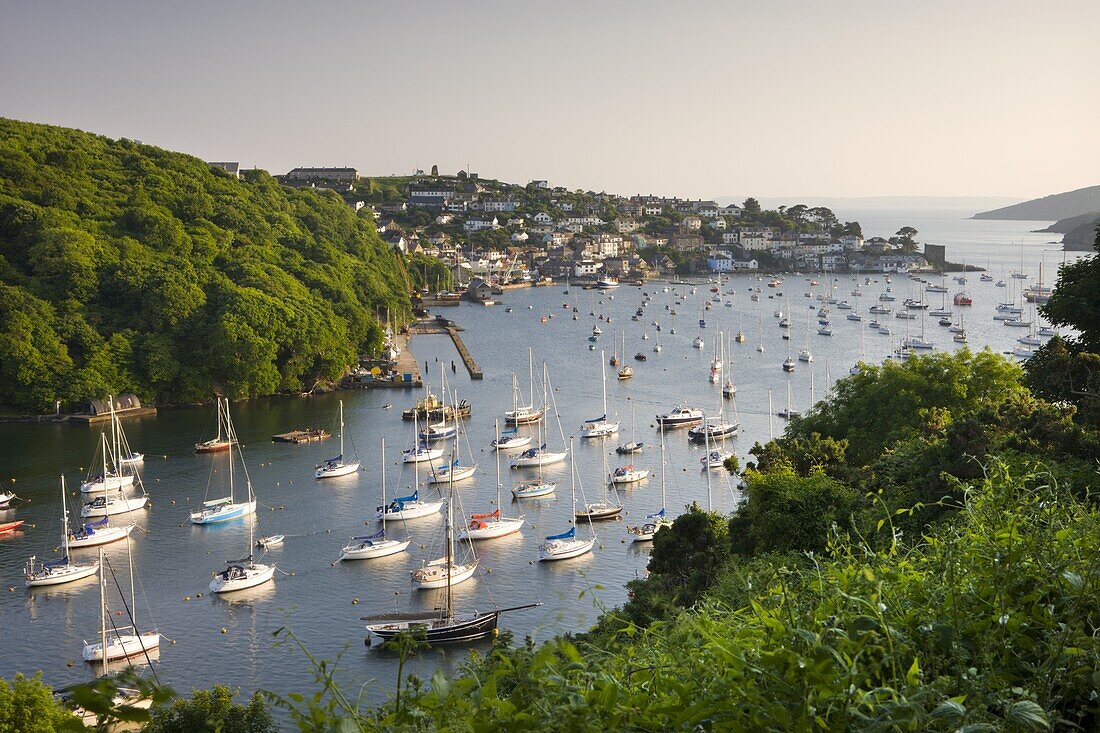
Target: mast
633,422
218,399
114,437
103,610
662,470
496,426
450,541
603,383
706,464
133,591
65,518
811,388
531,379
416,455
384,487
341,430
771,417
229,437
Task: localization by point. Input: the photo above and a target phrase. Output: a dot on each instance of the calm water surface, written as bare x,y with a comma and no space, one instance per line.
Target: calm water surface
230,640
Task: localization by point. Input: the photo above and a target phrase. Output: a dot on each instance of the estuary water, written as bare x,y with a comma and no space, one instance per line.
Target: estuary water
231,640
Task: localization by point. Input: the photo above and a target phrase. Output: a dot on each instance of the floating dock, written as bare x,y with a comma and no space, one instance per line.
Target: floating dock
301,436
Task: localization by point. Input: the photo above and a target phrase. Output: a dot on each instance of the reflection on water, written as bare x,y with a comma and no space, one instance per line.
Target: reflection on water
322,602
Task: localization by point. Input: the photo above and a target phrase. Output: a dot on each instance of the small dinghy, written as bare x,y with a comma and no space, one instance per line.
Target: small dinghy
273,541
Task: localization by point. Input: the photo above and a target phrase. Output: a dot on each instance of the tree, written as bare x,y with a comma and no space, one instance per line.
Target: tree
28,706
435,171
786,512
751,207
213,710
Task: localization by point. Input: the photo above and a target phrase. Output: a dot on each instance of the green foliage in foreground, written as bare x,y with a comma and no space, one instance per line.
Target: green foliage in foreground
28,706
128,267
213,710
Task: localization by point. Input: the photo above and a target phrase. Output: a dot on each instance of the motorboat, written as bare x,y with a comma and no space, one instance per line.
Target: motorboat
680,417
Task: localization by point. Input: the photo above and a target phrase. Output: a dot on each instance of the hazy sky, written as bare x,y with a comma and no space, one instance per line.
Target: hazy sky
842,98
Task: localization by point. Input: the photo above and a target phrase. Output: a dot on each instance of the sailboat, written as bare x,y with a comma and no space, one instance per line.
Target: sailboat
112,501
713,429
788,413
441,625
510,439
717,362
440,431
336,466
112,476
227,507
525,414
444,572
601,509
729,389
370,546
220,442
566,545
625,372
633,446
655,521
58,571
115,643
543,456
657,346
454,471
411,506
246,572
740,337
490,525
421,452
600,427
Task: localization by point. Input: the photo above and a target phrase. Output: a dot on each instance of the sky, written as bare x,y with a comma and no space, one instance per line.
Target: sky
772,99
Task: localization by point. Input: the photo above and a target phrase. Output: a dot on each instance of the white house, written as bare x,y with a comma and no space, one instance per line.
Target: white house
729,237
506,205
477,223
444,219
754,242
584,268
852,242
707,209
746,265
627,225
543,218
519,237
720,262
732,210
691,223
719,224
654,209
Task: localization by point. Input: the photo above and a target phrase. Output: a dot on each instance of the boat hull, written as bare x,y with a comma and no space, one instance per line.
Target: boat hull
530,491
629,477
411,511
431,577
123,646
113,506
493,529
369,551
458,473
218,514
213,446
342,469
460,629
565,549
546,458
111,483
101,537
257,574
64,574
422,456
519,442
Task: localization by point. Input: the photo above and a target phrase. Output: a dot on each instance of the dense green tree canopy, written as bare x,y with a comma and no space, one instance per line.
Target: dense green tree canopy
128,267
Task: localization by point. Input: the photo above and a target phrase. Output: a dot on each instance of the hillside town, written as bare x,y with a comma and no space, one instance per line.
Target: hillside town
500,233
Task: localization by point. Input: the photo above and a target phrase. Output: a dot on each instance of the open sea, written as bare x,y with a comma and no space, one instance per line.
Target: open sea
230,639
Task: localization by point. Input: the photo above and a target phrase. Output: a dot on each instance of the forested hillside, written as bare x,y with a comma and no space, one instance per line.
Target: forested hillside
128,267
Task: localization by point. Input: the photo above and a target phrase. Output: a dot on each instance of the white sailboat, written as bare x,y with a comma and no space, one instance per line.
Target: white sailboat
455,470
634,445
113,475
525,414
543,456
421,452
646,531
440,431
490,525
246,572
225,508
444,572
729,389
119,642
600,427
370,546
717,363
566,545
336,466
411,506
58,571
